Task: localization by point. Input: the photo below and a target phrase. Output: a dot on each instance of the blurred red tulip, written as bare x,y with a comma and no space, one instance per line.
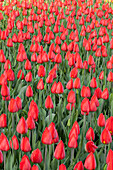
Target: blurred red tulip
29,91
25,145
79,166
49,103
90,162
36,156
105,94
47,137
41,71
3,120
101,120
14,143
105,137
5,90
62,167
90,135
59,152
4,143
30,123
22,126
25,163
34,167
13,107
90,147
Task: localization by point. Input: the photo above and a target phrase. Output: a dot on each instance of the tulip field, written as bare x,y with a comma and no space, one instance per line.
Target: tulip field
56,85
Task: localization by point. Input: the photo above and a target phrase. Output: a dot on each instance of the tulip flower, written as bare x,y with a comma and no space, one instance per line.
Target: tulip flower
90,134
14,144
36,156
40,84
109,157
90,147
3,120
33,110
25,145
105,137
22,126
101,120
62,167
90,162
34,167
109,124
25,163
79,166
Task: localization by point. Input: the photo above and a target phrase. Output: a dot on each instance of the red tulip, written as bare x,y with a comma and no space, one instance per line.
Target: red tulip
90,162
54,132
4,143
25,163
22,126
5,90
76,83
25,145
59,152
79,166
109,124
30,123
41,71
59,88
62,167
28,77
105,137
13,107
40,85
85,105
19,102
69,85
29,91
110,165
93,83
10,75
90,135
72,142
101,120
49,103
109,157
33,110
105,94
74,72
34,167
47,137
27,65
90,147
71,97
36,156
14,143
85,91
53,88
2,56
98,92
3,120
3,79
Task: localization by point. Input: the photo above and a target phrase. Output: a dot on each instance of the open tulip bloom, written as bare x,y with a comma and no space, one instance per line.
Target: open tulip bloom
56,84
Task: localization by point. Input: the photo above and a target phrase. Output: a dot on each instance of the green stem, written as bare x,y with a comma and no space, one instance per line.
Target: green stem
72,155
4,160
45,157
